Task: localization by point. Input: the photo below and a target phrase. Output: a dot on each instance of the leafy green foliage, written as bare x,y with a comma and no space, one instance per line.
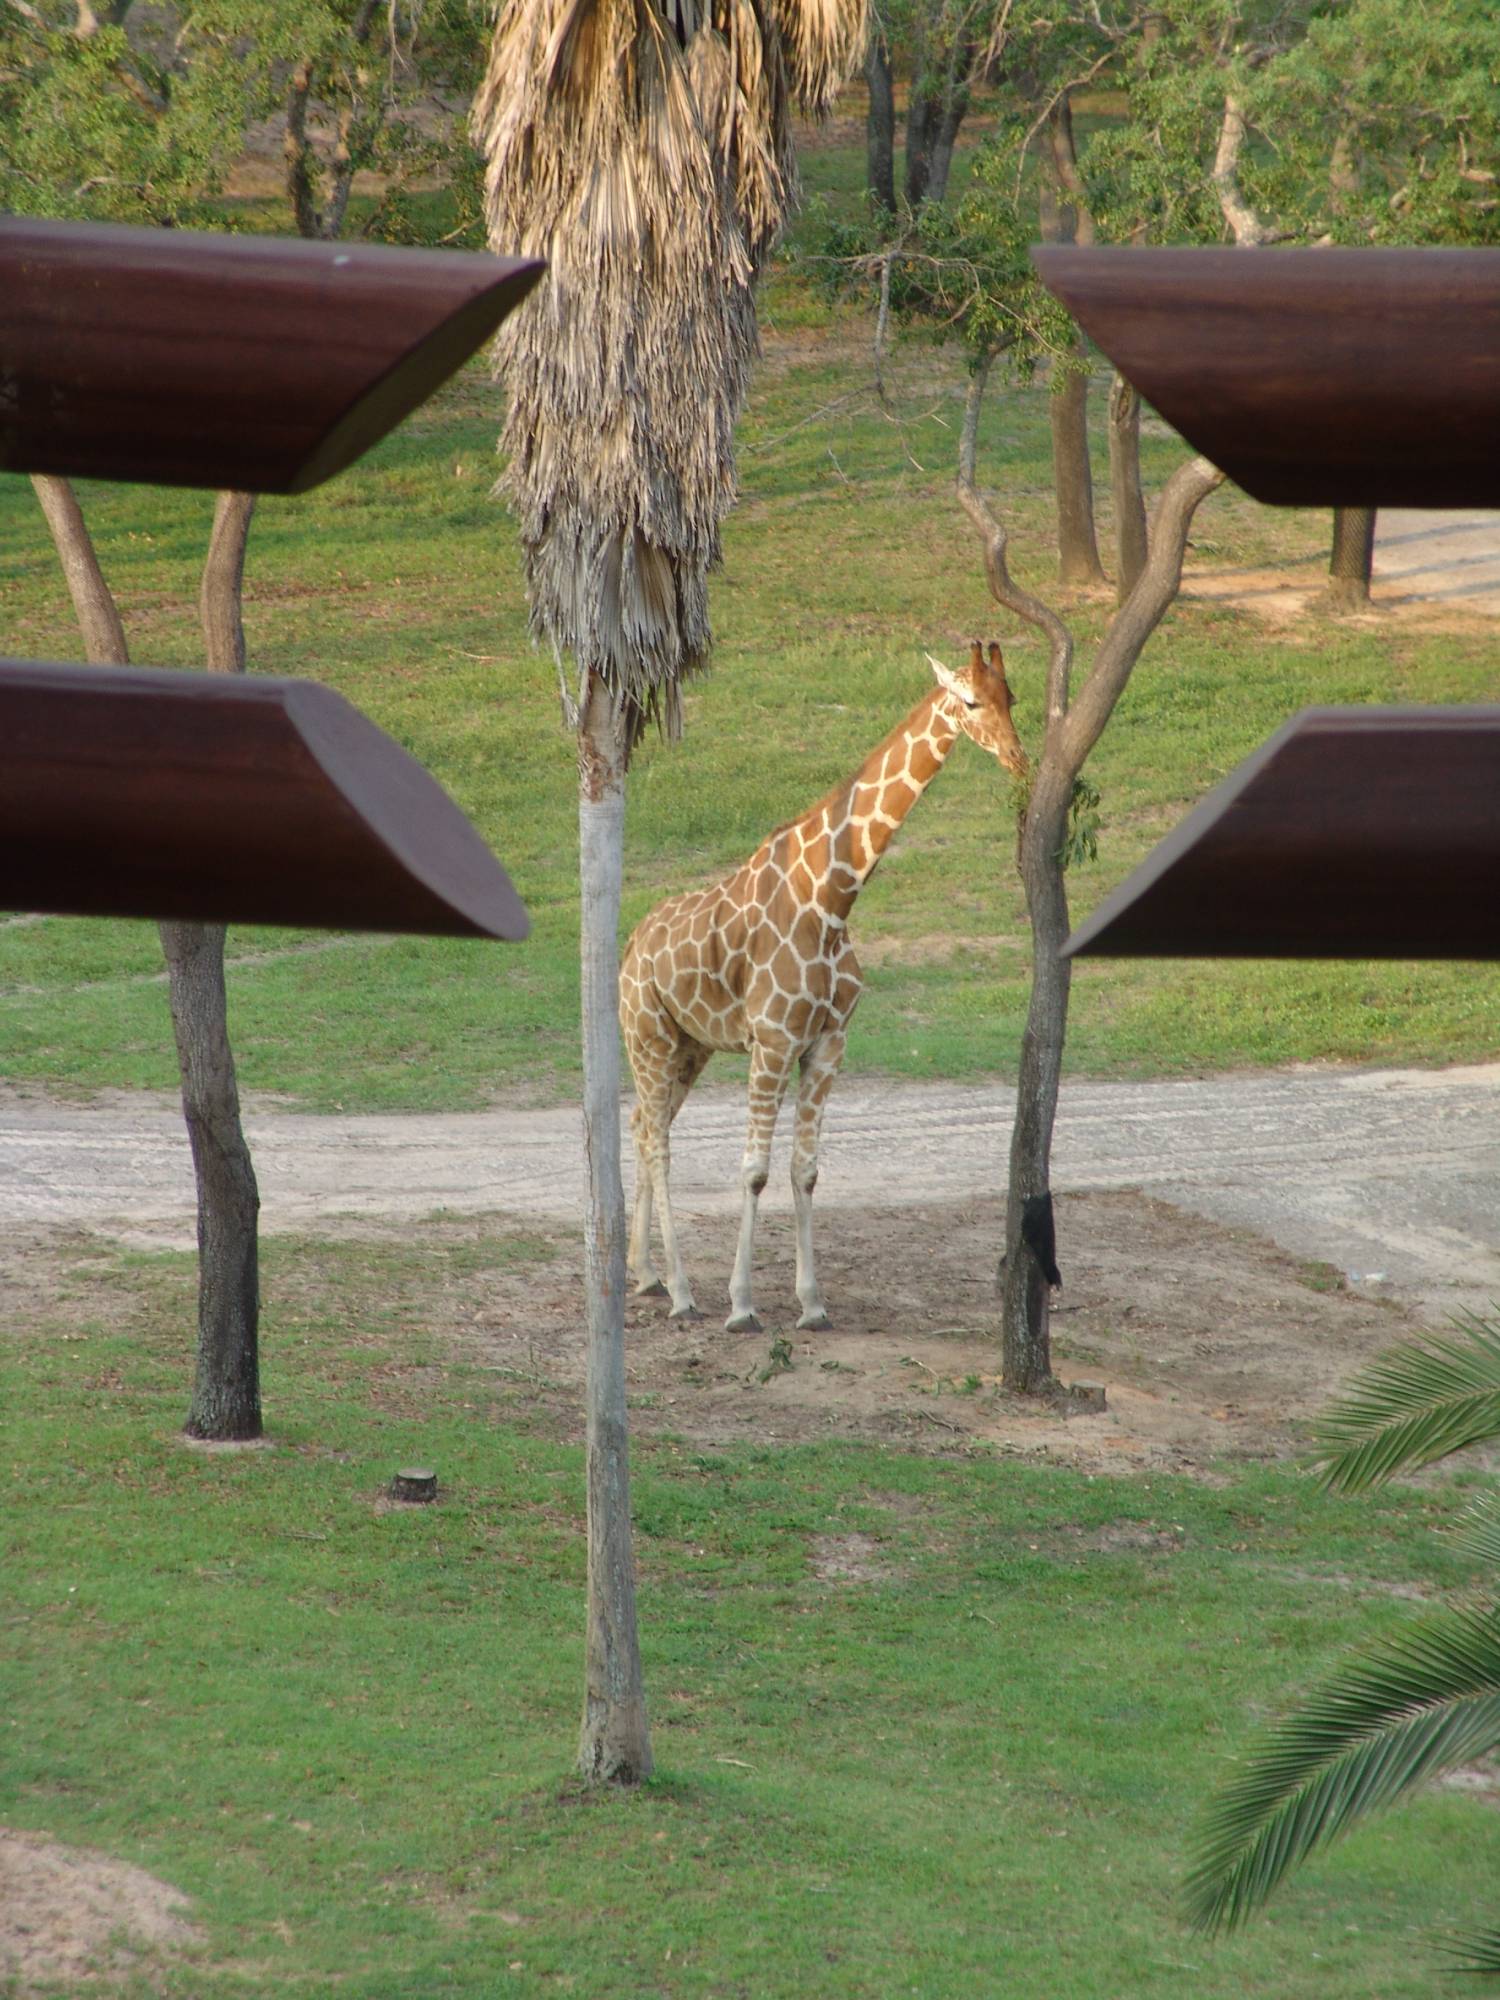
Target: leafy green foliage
1418,1403
951,270
1082,841
1424,1701
140,114
126,128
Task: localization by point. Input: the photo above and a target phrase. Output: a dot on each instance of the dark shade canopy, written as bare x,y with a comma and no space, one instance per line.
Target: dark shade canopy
190,359
1332,377
149,793
1352,833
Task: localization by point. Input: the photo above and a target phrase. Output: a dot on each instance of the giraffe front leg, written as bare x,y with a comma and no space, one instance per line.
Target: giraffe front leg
820,1066
770,1069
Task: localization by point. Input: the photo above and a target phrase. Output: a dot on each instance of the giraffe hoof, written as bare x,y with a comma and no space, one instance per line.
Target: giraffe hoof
649,1288
685,1313
814,1322
743,1323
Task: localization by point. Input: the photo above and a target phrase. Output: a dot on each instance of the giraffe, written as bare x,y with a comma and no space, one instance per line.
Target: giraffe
761,962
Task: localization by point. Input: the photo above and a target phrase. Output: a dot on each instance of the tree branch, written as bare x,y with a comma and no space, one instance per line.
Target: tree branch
1141,613
1245,225
1003,588
93,602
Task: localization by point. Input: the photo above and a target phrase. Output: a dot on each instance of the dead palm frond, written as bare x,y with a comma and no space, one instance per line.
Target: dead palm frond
642,147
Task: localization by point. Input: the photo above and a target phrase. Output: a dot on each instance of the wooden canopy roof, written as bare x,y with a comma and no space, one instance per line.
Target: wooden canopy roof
1330,377
254,362
262,365
1313,377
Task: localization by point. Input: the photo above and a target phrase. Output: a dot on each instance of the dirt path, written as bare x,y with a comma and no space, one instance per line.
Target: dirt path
1389,1172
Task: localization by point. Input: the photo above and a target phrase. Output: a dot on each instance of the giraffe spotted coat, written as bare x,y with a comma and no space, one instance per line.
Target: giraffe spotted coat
761,962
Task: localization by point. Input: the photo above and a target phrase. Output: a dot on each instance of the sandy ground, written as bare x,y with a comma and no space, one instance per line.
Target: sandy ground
1389,1172
1427,564
71,1919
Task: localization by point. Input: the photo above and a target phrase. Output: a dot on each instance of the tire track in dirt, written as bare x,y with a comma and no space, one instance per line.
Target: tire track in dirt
1395,1172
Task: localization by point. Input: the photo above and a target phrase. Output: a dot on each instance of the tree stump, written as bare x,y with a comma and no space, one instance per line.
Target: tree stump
415,1484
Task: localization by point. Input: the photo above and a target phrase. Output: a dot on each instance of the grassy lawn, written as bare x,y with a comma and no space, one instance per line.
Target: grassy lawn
969,1768
400,584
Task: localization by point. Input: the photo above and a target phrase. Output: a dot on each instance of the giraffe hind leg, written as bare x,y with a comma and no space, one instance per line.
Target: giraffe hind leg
665,1069
688,1067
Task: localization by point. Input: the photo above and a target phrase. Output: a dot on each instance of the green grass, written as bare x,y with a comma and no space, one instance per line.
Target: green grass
347,1733
400,585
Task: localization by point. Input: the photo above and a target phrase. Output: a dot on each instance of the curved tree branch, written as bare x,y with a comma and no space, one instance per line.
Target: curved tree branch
992,534
1143,610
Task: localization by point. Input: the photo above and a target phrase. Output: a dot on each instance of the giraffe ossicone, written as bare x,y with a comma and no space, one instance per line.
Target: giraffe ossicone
761,962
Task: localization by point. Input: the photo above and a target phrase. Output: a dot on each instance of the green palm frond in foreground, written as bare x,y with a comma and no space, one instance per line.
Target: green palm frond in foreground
1415,1404
1424,1701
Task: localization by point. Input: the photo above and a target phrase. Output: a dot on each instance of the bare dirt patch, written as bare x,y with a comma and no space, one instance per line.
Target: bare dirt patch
1288,593
71,1919
1210,1342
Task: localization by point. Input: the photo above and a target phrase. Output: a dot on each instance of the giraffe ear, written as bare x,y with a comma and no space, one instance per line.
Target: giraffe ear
997,672
950,683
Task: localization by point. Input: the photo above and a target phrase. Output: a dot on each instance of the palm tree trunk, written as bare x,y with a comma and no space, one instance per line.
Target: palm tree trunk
615,1745
226,1383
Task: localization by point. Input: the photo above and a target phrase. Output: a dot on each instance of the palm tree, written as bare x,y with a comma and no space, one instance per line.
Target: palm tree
1423,1701
642,147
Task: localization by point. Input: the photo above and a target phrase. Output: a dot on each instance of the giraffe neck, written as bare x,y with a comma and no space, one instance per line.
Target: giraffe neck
856,822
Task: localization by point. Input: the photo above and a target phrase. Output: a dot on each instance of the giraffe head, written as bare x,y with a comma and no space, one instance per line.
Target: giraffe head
981,695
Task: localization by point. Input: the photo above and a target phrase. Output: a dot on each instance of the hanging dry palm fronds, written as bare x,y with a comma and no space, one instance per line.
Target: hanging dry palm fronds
642,147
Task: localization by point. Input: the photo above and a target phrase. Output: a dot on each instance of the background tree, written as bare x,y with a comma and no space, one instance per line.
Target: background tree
1328,121
645,152
943,50
963,271
139,116
1055,821
1421,1702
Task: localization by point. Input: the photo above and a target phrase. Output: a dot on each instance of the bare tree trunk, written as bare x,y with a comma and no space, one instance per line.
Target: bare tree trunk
1077,543
945,137
226,1394
1073,483
1073,727
880,125
1125,485
616,1744
1353,559
1026,1345
93,601
226,1383
922,113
